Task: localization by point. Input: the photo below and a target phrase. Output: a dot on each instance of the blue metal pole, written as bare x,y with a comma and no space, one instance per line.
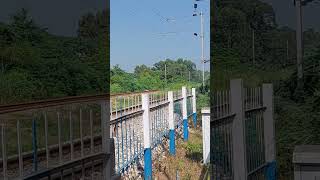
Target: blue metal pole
118,145
122,148
172,147
271,171
126,129
195,119
185,130
147,164
135,144
185,114
130,136
34,145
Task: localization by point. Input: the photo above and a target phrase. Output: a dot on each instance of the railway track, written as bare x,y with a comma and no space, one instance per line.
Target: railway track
43,163
4,109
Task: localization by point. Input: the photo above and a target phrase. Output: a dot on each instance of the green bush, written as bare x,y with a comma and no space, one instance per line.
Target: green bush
194,151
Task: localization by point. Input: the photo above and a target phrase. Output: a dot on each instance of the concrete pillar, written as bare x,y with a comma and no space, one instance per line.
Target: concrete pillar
146,137
184,114
238,130
269,133
194,107
206,134
172,145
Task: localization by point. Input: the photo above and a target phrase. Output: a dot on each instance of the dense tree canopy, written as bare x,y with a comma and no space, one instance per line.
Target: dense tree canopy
155,77
38,65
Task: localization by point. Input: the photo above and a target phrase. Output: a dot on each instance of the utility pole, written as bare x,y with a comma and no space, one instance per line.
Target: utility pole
202,48
299,44
202,41
253,55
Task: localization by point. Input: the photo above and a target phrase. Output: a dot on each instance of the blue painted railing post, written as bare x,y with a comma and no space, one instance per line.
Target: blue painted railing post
34,145
194,107
271,171
269,132
146,137
172,144
184,114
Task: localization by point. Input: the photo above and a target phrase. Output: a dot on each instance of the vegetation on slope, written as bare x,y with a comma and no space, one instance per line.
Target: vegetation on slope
155,77
38,65
297,115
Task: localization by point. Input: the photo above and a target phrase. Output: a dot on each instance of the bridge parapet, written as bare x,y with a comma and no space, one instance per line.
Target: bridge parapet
66,137
99,135
161,111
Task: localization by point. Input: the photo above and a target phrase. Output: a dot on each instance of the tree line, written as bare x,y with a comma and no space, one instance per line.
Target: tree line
165,74
38,65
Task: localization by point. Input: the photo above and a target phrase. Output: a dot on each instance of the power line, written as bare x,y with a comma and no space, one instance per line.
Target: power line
165,19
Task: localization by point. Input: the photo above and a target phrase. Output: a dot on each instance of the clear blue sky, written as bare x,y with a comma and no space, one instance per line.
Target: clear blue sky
140,33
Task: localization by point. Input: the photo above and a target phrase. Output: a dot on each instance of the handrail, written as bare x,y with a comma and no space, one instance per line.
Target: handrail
133,93
51,102
10,108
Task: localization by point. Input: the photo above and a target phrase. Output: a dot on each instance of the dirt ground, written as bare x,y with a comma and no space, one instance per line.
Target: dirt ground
185,164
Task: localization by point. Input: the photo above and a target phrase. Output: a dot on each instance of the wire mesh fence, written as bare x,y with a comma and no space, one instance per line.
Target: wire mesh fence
127,124
221,137
254,133
178,119
250,110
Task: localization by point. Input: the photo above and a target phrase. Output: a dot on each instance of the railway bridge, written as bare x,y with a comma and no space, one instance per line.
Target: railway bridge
92,137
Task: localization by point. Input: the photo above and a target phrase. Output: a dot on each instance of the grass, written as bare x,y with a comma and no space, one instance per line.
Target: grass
187,161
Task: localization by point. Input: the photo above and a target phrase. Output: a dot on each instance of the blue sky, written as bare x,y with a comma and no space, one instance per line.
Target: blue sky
141,34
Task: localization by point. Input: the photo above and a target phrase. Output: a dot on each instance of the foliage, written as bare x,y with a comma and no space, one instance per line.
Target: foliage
163,75
38,65
194,148
296,115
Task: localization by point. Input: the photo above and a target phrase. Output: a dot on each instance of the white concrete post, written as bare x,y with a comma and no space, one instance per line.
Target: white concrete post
172,145
269,132
238,133
194,107
184,113
146,136
107,143
206,134
269,141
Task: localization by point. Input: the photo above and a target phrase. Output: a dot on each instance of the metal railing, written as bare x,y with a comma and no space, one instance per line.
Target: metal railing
242,132
58,138
254,132
42,139
126,117
221,137
177,98
141,121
